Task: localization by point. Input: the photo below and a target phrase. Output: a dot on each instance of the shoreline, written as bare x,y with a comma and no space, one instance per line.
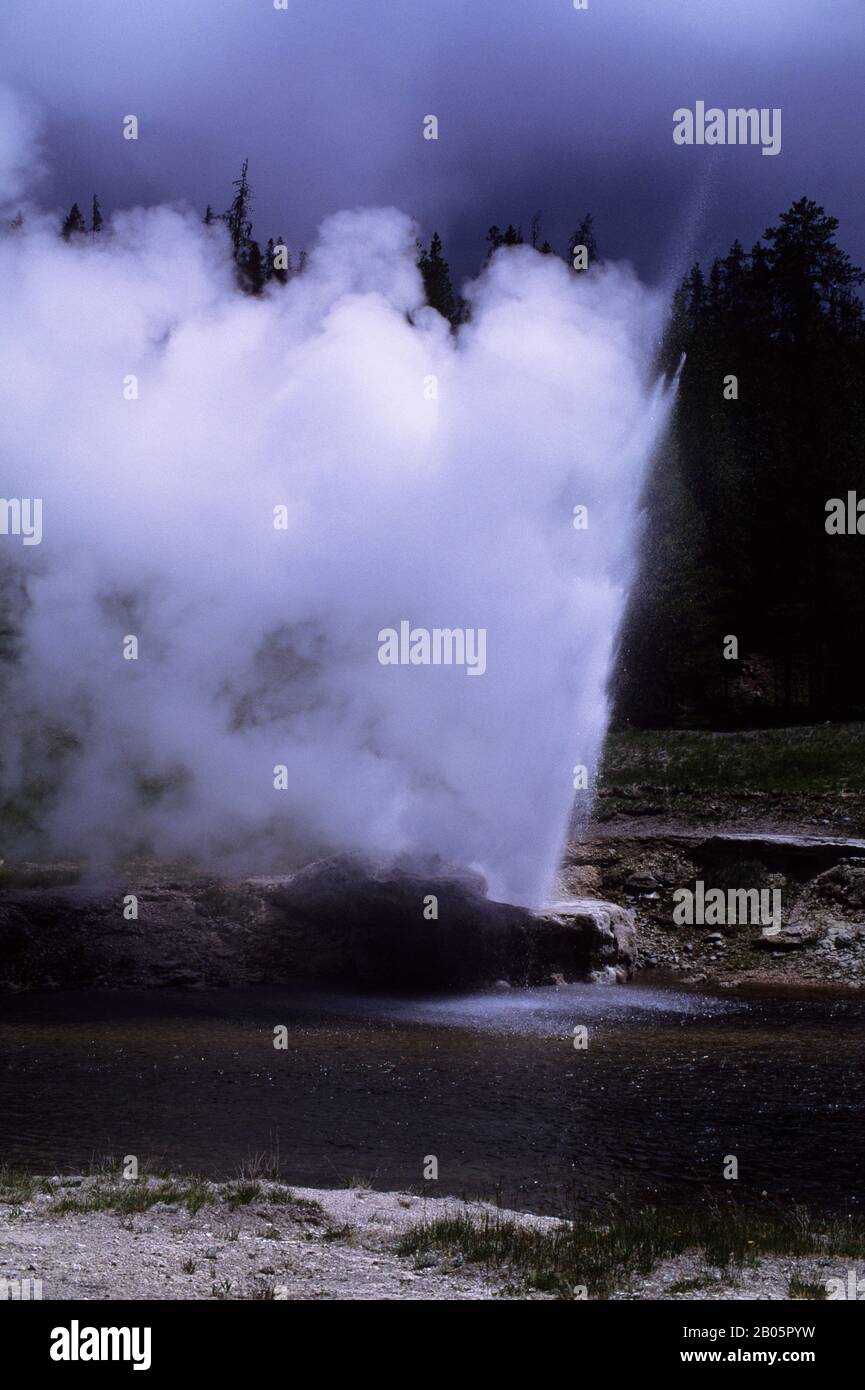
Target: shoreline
100,1237
611,918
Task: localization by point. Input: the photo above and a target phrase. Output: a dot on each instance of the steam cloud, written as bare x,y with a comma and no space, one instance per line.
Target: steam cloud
259,646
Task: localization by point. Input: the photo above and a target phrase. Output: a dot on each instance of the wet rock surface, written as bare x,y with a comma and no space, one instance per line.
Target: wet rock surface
342,919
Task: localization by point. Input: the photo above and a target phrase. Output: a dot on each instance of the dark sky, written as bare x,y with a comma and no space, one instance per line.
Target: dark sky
540,106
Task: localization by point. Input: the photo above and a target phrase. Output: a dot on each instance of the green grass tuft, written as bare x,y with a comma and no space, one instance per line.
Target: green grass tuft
130,1197
606,1255
801,1288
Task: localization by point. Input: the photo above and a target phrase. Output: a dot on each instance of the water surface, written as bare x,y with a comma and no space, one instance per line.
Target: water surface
490,1084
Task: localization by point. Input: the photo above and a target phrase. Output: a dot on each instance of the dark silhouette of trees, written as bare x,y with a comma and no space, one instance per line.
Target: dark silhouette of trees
247,252
511,236
437,280
769,424
583,236
74,223
254,269
237,217
251,268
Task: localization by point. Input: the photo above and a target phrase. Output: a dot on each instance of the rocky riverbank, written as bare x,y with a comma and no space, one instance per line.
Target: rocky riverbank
819,880
346,921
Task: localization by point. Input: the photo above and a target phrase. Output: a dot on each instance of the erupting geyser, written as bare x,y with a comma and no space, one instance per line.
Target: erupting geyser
289,478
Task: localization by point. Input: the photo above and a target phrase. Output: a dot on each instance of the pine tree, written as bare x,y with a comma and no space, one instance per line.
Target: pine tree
237,217
545,248
209,217
437,281
247,252
511,236
96,218
250,268
583,236
73,223
813,277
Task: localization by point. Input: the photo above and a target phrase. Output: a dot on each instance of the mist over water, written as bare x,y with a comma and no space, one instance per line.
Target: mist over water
259,646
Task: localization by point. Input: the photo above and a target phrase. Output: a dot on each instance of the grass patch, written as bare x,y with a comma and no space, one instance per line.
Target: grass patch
261,1167
101,1189
303,1206
17,1185
262,1290
240,1194
607,1254
812,758
801,1288
132,1197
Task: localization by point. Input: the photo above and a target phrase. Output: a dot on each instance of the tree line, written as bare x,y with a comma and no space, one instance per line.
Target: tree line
255,268
749,606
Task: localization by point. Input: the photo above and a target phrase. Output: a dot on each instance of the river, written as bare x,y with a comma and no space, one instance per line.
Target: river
670,1084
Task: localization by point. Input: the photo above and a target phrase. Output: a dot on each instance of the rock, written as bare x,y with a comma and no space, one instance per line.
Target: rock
608,975
842,938
591,934
794,854
342,919
347,919
640,883
792,938
843,885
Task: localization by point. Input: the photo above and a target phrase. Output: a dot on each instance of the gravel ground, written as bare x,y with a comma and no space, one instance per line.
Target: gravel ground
317,1244
688,1277
323,1245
